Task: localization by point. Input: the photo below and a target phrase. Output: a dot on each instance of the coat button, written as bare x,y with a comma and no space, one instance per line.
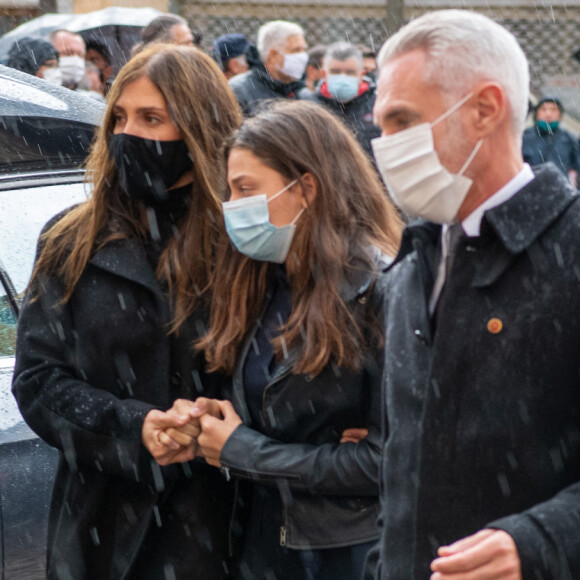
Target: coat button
363,299
176,379
420,336
494,325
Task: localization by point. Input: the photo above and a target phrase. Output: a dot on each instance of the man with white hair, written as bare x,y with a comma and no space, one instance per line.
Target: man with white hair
480,475
277,66
72,50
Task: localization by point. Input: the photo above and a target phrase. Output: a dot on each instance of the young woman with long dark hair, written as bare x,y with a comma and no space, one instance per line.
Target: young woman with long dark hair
296,321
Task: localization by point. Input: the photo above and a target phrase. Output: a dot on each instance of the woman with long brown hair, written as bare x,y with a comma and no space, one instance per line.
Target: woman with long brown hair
296,321
117,298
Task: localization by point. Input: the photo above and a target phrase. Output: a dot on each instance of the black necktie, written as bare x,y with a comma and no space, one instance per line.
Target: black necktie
454,233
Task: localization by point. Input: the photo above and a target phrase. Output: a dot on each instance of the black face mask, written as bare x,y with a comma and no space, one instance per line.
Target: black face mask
148,168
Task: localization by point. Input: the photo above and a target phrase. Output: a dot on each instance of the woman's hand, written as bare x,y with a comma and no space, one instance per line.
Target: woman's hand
215,432
164,448
185,435
353,435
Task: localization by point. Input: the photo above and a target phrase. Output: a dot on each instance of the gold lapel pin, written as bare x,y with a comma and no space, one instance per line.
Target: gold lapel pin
494,325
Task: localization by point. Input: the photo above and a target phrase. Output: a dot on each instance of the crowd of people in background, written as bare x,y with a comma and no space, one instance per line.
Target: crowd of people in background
340,76
398,404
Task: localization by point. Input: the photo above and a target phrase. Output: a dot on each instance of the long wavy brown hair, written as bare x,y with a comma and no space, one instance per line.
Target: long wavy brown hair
349,214
205,111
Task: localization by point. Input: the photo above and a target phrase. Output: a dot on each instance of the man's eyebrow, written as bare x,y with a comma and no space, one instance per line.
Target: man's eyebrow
401,112
395,113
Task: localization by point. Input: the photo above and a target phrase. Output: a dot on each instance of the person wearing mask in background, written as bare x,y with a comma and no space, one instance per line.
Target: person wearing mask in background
167,29
369,62
72,50
99,55
347,93
296,321
480,476
36,57
277,66
315,66
106,331
91,85
229,51
548,141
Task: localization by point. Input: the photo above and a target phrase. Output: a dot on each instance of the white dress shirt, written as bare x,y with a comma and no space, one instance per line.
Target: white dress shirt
472,224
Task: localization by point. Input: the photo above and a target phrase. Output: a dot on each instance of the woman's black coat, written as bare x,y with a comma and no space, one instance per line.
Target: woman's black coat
87,372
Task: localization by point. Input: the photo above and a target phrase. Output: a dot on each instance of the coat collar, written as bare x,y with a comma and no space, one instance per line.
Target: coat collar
522,219
127,258
517,223
506,230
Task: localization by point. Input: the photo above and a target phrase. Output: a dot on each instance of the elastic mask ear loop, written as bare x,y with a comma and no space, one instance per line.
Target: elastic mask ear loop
299,214
452,110
282,191
470,158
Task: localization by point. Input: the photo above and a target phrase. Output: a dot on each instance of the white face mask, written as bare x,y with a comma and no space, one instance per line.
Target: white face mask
294,65
53,75
72,68
412,172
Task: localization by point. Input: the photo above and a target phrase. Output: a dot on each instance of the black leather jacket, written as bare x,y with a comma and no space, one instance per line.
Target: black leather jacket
329,490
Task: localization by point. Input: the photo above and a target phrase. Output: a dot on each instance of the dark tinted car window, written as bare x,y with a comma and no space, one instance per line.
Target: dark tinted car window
31,143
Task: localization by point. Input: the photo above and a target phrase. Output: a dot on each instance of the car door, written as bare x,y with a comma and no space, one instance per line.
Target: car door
45,136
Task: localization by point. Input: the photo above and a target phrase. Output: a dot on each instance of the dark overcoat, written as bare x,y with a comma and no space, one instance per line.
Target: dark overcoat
483,411
87,372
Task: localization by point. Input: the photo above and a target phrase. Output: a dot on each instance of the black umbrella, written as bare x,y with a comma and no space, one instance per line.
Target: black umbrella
117,28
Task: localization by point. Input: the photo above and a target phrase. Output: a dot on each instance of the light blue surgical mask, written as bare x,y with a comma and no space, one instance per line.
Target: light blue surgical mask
250,230
343,87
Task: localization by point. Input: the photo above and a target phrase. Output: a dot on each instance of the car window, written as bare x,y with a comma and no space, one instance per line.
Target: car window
23,213
7,324
39,143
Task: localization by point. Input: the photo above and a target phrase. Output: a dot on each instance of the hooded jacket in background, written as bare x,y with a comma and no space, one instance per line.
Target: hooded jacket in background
29,54
558,146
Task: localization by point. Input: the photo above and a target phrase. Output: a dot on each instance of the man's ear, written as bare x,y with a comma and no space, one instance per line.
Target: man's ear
490,110
275,58
309,186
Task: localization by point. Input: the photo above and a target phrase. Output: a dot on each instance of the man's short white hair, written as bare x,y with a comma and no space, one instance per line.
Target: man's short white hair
464,48
274,34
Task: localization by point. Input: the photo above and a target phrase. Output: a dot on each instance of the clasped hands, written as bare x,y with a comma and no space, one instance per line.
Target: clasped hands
189,429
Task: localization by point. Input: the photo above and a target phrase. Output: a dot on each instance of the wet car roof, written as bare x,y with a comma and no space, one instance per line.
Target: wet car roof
24,95
43,127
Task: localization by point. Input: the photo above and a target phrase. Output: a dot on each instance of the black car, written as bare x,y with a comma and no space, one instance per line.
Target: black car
45,136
